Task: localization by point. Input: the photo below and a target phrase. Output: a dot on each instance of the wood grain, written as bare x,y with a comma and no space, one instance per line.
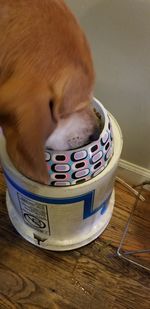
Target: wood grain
89,278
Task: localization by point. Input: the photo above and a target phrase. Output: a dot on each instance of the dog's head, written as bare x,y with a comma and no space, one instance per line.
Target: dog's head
45,92
33,115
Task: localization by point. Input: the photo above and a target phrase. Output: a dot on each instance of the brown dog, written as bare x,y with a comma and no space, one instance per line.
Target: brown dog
46,82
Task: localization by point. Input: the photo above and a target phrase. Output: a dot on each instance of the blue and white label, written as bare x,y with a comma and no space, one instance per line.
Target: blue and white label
40,212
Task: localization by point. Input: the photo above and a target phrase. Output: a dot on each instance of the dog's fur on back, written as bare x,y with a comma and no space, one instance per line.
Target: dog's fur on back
46,75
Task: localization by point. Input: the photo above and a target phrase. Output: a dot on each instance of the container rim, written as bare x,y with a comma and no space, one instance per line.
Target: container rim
8,166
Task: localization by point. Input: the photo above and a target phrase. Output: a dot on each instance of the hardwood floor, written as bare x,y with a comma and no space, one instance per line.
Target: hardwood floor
92,277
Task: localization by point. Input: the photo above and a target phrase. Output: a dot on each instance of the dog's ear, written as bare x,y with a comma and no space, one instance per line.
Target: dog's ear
26,119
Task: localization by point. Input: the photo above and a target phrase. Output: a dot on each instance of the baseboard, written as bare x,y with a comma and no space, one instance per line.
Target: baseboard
133,174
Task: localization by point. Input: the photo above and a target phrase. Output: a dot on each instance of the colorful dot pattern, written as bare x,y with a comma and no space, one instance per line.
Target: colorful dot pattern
75,167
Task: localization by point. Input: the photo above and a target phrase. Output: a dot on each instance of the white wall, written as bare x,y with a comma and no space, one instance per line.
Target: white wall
119,34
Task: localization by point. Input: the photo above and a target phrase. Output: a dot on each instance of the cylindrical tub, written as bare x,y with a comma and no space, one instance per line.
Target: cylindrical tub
61,218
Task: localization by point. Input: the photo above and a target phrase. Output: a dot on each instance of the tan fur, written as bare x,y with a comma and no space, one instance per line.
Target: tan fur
44,57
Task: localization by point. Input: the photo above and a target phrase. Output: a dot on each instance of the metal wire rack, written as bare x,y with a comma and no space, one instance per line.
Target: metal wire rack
126,255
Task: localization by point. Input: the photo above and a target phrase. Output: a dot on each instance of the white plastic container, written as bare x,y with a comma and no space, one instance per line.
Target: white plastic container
61,218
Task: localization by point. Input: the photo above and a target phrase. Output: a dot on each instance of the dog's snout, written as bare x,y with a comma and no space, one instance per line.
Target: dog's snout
94,137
